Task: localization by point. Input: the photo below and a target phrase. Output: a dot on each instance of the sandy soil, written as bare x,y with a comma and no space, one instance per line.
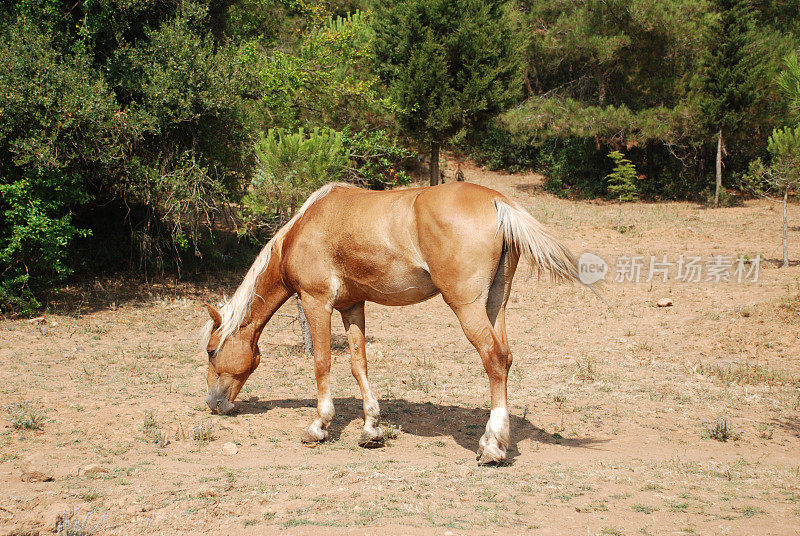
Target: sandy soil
611,405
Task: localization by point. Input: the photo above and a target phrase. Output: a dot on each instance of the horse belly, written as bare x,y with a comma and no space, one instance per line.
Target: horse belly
394,284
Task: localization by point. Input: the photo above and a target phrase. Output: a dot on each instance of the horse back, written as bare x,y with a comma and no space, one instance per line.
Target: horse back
359,245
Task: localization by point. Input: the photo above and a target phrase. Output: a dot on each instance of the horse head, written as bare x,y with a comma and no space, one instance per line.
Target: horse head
230,363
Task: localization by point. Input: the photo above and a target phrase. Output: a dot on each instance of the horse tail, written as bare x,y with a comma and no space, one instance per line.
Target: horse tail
529,238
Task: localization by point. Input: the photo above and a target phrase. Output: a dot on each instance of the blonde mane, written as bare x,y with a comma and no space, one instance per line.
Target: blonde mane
237,308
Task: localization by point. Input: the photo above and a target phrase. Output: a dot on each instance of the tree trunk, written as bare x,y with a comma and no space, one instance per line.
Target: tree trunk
308,344
434,163
785,230
719,169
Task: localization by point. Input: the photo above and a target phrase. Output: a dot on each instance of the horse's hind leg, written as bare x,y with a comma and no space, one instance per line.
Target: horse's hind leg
498,296
372,435
319,321
495,356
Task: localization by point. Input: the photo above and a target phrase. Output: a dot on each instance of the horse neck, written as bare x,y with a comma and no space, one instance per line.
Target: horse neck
270,295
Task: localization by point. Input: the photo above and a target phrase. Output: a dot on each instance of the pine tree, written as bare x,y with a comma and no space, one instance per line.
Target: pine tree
449,65
728,78
781,177
621,182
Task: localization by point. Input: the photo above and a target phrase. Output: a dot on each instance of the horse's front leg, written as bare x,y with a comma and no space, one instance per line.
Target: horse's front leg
319,321
353,319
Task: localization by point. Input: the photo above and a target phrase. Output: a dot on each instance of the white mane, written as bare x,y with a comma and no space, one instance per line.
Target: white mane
236,309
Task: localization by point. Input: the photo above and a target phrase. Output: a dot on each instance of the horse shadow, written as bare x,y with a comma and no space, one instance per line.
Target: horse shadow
425,419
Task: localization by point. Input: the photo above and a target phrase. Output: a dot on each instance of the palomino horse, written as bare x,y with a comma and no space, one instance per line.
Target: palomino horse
346,246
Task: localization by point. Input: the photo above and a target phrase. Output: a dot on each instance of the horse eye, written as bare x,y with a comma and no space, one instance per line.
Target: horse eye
212,354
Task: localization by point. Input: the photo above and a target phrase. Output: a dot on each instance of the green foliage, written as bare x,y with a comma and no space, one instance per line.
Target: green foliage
58,134
727,81
326,77
291,165
783,172
622,180
571,165
449,64
789,83
653,76
785,143
612,52
376,159
37,232
496,147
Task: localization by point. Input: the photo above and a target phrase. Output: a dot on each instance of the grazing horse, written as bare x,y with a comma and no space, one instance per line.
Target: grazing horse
346,246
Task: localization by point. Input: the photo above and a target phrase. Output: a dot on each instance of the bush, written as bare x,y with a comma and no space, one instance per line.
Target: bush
622,180
499,149
58,131
574,166
376,159
726,199
38,229
291,165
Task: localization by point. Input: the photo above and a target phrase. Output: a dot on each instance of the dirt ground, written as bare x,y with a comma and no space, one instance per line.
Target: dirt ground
613,407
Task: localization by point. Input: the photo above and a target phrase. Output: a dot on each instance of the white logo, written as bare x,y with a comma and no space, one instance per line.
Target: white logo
591,268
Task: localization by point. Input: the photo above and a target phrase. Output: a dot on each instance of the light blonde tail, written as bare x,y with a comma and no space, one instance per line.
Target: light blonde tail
529,238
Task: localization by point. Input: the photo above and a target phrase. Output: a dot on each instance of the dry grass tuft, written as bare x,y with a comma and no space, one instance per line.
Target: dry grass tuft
745,373
203,432
722,430
25,417
152,431
70,524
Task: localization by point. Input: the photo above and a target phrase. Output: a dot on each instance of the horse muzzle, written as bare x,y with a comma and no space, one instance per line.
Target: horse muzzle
218,401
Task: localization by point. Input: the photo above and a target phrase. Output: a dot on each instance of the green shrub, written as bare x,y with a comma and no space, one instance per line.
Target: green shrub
722,430
499,149
58,131
291,165
622,179
574,167
37,233
622,182
376,159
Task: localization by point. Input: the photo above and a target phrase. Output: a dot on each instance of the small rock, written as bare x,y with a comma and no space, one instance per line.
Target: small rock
36,469
664,302
230,449
92,469
374,352
38,320
206,490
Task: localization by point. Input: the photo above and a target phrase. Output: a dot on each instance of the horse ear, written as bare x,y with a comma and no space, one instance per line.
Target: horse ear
215,316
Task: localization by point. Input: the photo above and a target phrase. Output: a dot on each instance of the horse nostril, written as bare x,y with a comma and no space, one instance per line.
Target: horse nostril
219,402
224,406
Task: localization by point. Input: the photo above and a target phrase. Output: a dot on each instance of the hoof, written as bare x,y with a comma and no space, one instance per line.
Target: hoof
371,440
310,438
491,456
